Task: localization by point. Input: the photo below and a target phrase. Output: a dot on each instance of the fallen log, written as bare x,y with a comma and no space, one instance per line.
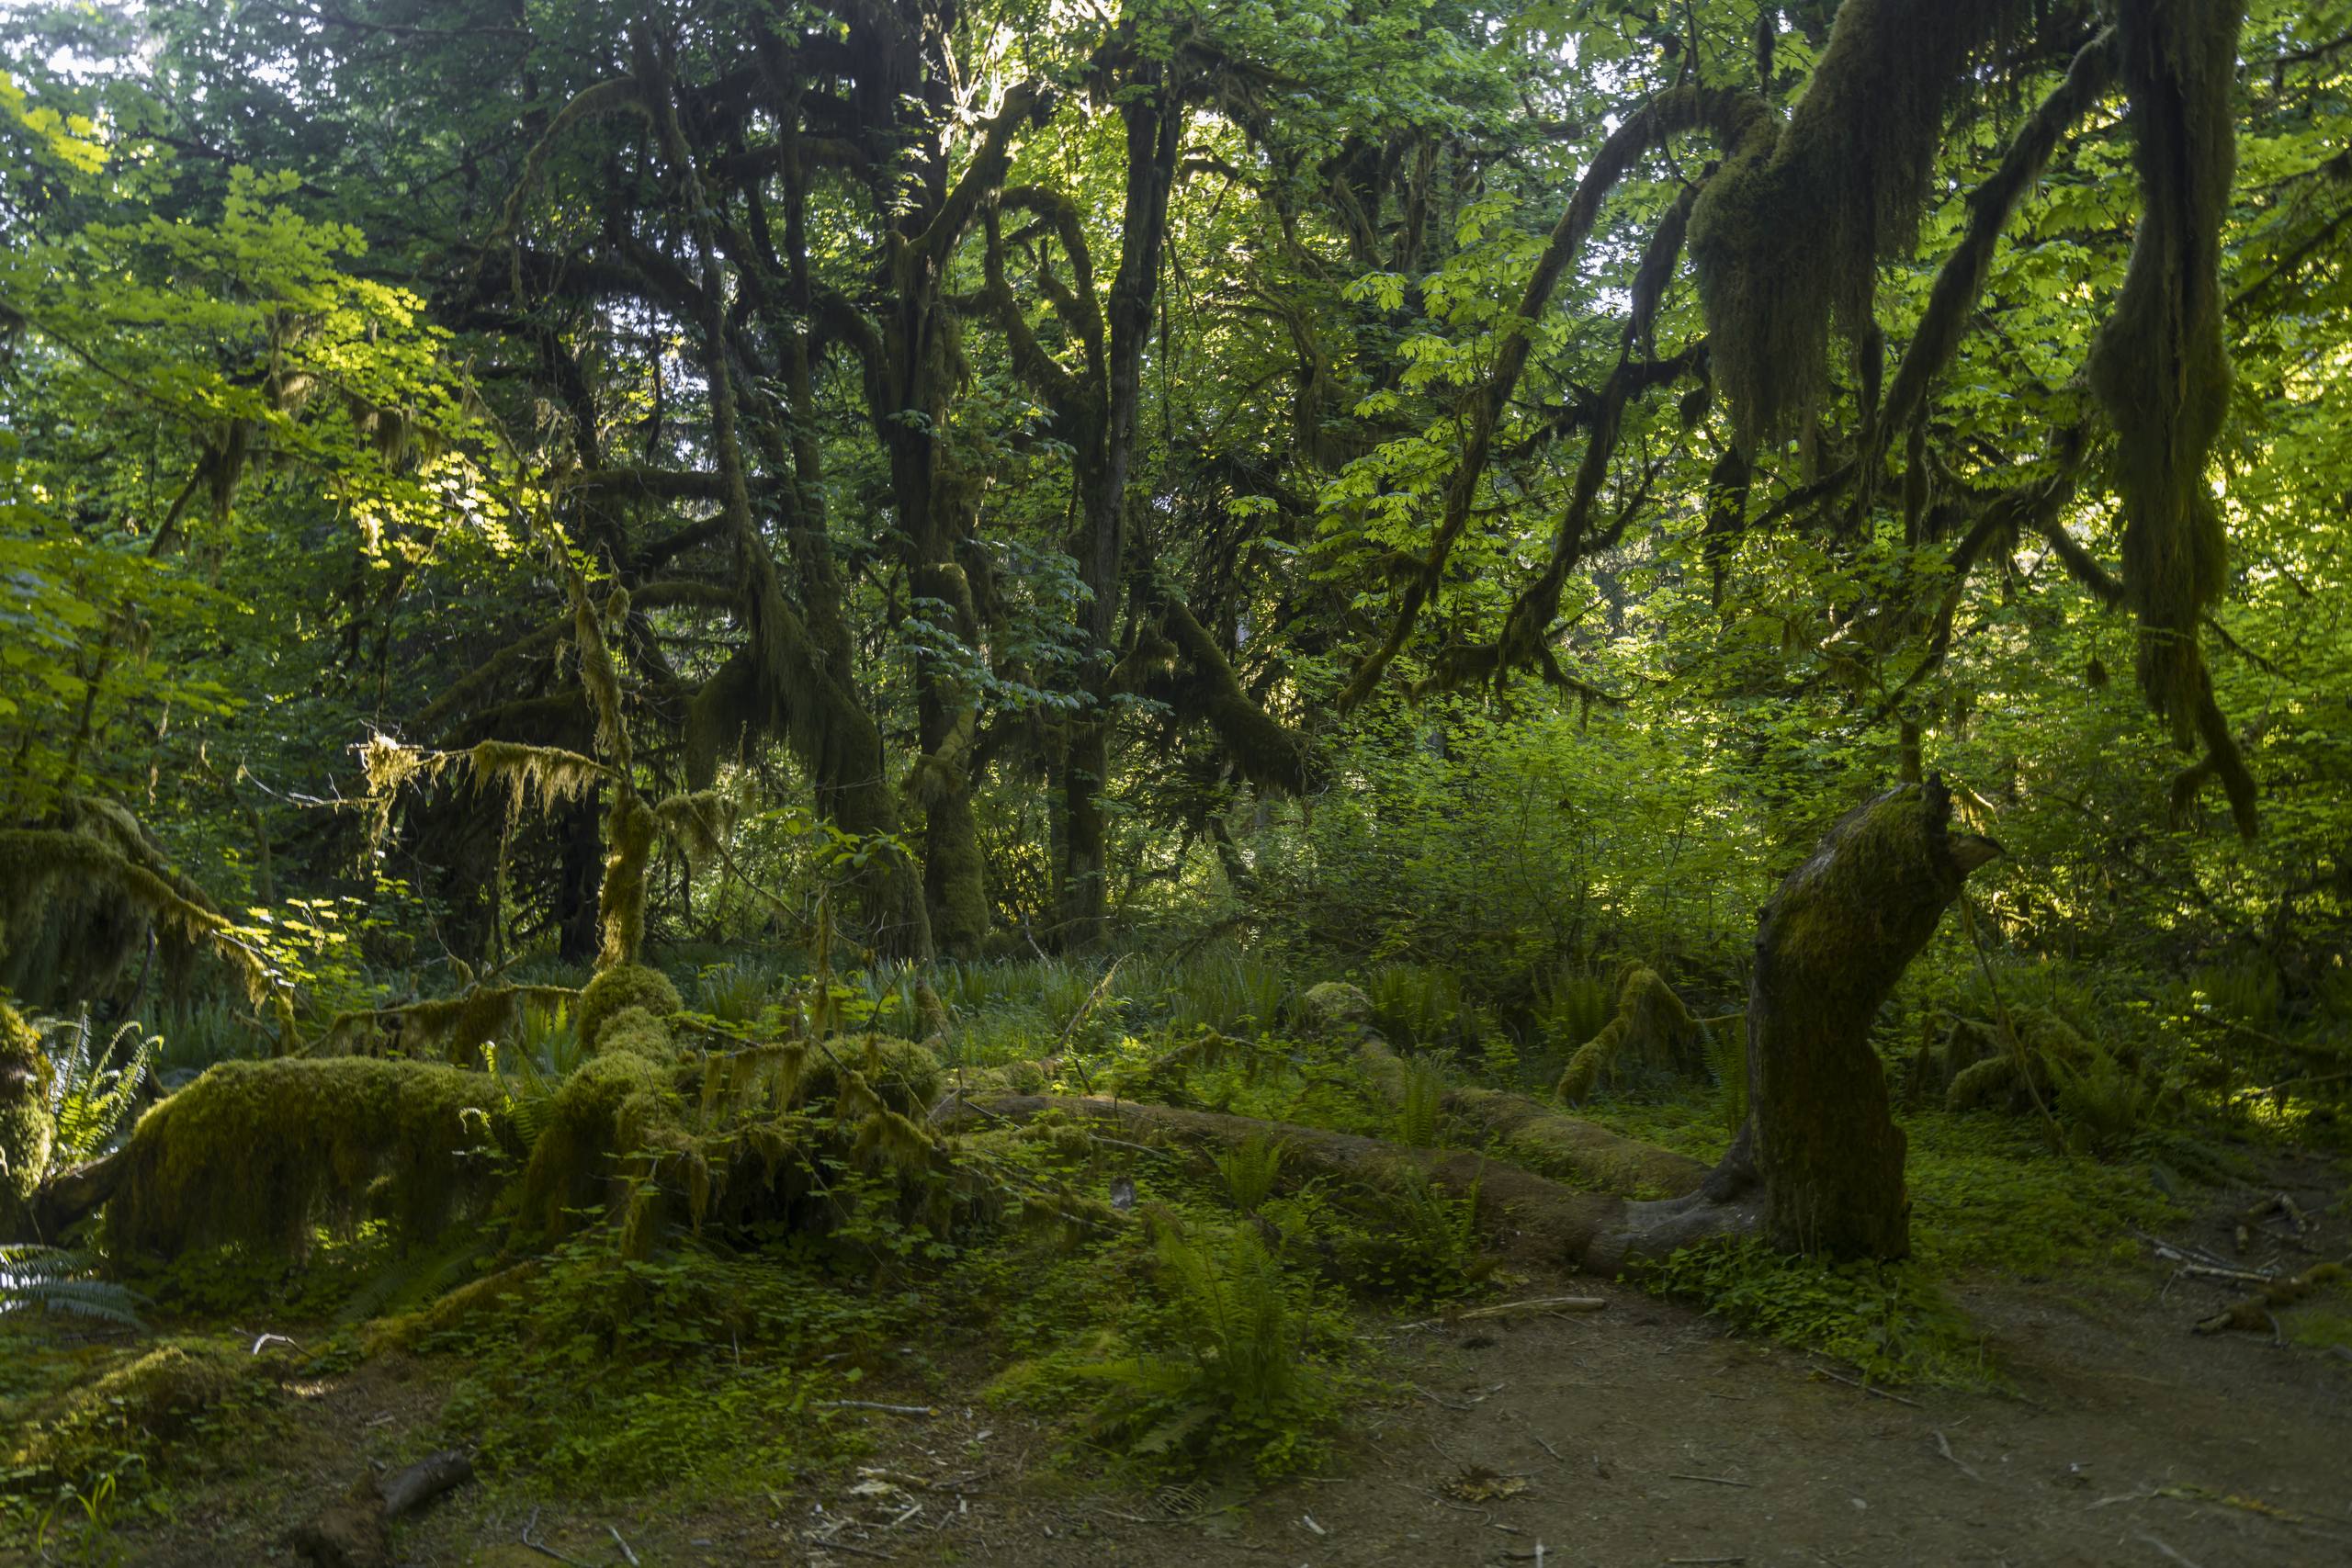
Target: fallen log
1542,1140
1527,1218
356,1531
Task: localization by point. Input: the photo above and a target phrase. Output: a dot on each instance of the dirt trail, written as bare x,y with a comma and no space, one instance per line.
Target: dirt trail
1636,1434
1642,1435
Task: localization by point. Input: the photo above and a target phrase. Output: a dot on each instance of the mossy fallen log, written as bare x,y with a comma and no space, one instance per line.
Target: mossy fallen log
1528,1133
1545,1142
263,1152
1528,1218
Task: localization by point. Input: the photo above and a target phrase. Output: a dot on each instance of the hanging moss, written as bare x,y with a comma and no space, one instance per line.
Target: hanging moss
261,1152
1653,1033
618,988
1787,236
2159,366
696,823
26,1126
79,894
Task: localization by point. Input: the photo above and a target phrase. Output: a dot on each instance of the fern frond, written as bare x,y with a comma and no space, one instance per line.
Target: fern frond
55,1280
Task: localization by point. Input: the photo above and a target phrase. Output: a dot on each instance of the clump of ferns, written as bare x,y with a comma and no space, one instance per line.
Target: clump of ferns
1228,1357
93,1086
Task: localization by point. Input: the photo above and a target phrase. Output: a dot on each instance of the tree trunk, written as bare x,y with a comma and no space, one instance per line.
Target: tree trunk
1079,891
1821,1147
583,865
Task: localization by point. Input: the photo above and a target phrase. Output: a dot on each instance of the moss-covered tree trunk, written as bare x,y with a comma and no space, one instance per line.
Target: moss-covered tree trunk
1820,1141
25,1127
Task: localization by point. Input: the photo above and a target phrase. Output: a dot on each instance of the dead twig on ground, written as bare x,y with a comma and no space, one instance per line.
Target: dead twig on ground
1943,1446
530,1539
1866,1388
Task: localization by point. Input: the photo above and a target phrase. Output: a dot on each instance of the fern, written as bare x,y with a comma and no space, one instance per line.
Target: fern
1414,1004
1572,1006
94,1087
2103,1101
1421,1245
1250,1172
1416,1111
54,1280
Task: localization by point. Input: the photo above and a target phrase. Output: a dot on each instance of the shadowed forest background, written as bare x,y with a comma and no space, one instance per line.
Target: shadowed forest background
726,726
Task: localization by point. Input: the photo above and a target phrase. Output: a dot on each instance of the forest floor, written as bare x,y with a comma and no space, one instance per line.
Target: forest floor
1641,1433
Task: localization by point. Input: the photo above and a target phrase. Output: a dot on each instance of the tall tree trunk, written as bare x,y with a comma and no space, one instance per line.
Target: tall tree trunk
1154,119
583,865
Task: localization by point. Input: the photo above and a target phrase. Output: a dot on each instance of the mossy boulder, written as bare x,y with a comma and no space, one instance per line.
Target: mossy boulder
618,988
263,1152
25,1127
904,1077
1982,1072
1335,1006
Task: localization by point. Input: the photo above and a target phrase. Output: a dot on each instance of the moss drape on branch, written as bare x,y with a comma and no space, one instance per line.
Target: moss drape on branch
2159,366
1787,236
96,876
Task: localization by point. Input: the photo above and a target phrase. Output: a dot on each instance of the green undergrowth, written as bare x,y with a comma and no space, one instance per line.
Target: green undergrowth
1889,1320
92,1430
1988,1198
1219,1329
1988,1195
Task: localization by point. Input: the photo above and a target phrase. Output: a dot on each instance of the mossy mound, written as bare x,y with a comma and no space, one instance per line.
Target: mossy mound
1336,1005
140,1405
1972,1069
26,1128
1652,1033
618,988
732,1138
906,1078
262,1152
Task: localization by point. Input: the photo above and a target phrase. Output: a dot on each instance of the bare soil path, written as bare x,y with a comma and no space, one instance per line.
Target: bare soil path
1637,1435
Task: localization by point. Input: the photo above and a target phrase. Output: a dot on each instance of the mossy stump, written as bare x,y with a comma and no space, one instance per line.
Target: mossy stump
1652,1032
1832,944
